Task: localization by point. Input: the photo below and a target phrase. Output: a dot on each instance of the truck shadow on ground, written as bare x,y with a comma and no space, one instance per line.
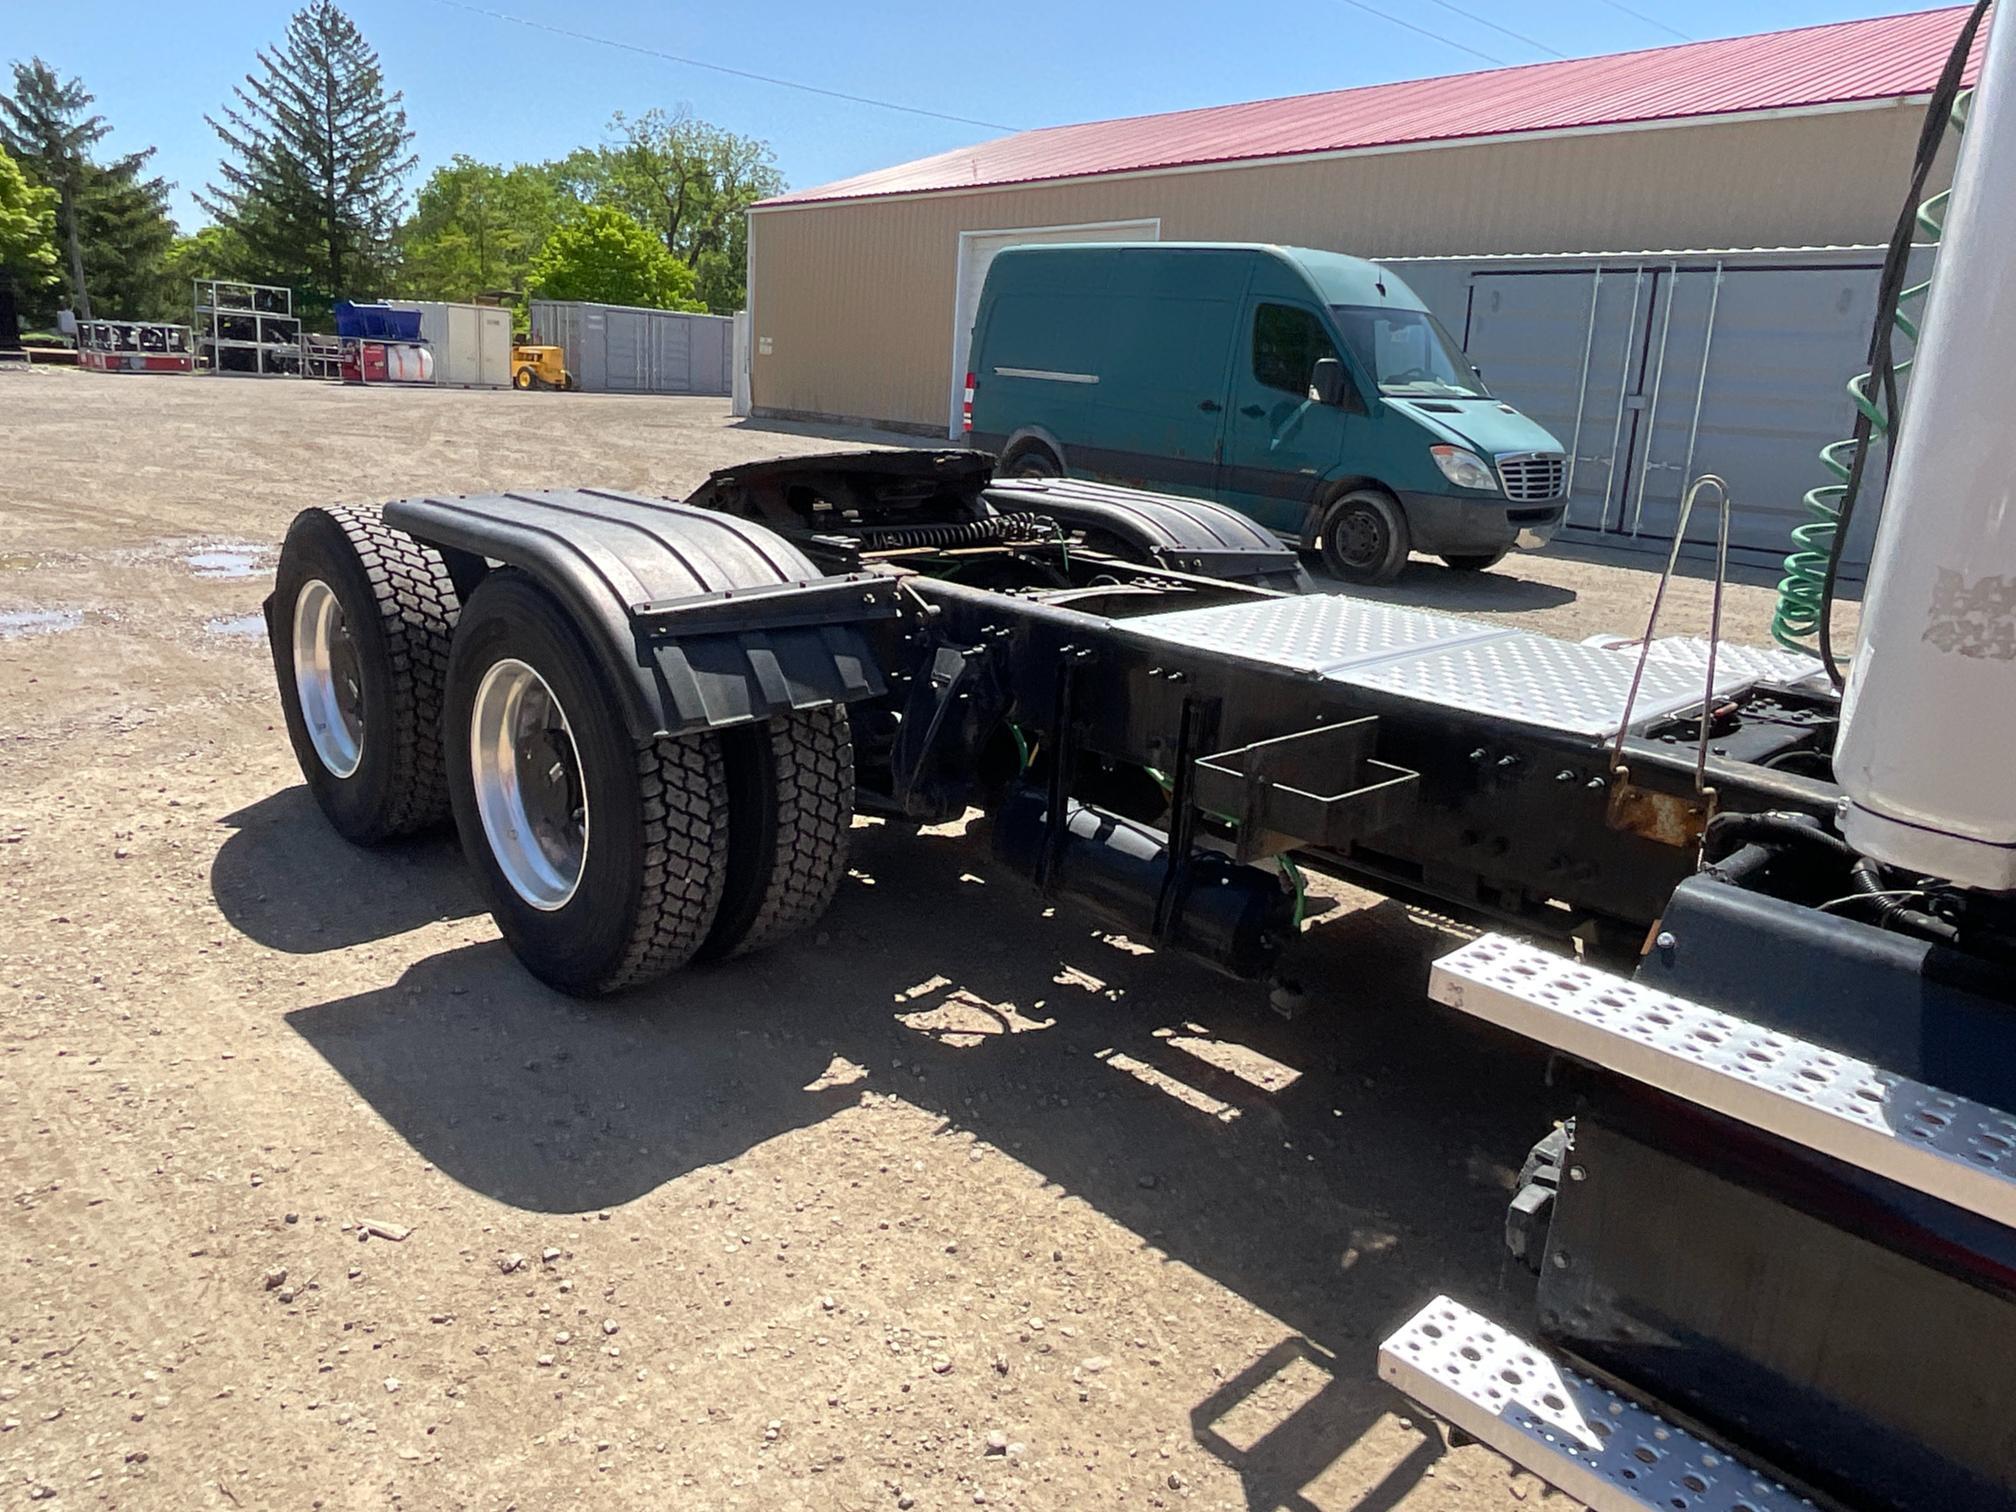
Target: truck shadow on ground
1429,585
1334,1171
836,431
285,879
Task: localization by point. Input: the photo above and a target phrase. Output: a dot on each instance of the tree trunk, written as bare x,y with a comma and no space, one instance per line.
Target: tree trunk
80,296
328,165
10,323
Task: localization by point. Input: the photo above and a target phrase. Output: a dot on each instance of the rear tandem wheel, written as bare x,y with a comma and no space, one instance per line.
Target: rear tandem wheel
361,619
603,858
791,803
606,861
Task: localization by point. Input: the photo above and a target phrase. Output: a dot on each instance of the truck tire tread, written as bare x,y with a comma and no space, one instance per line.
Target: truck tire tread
417,607
683,784
790,856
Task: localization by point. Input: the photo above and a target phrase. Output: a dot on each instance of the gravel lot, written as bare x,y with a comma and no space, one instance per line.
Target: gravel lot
799,1231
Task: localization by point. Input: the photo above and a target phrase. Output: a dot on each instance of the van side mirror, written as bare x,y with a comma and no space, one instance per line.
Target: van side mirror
1326,381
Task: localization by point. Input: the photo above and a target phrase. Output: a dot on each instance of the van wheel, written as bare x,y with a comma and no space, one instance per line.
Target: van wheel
1364,537
1031,459
1479,562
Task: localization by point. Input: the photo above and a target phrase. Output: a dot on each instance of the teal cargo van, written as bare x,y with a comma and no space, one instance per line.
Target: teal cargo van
1309,390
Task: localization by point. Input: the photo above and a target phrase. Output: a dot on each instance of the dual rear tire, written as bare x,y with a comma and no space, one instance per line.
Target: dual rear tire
606,861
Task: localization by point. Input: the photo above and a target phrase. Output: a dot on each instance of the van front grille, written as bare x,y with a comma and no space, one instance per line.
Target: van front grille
1533,476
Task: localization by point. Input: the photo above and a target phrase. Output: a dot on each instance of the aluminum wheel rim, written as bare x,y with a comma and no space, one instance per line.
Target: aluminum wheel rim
530,792
328,678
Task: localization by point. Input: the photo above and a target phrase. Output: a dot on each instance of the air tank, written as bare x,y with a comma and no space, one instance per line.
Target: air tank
1927,752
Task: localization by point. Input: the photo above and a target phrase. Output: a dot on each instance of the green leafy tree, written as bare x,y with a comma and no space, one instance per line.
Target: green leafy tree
27,242
212,252
476,227
113,222
691,182
601,254
317,154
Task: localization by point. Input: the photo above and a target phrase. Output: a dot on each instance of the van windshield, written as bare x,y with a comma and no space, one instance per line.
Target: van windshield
1407,351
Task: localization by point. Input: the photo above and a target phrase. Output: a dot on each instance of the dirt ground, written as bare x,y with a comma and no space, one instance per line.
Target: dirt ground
801,1231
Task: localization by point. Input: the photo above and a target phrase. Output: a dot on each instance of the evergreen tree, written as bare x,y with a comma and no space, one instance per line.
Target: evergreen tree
126,233
317,150
112,222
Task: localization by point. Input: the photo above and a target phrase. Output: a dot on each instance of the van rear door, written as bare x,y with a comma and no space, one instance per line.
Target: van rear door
1279,443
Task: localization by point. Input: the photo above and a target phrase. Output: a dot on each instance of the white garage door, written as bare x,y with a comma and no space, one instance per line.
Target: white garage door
976,252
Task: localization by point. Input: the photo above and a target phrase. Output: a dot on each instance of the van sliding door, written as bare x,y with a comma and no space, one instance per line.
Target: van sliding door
1156,416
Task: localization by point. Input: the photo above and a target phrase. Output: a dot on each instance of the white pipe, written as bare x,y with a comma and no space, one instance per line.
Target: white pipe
1927,753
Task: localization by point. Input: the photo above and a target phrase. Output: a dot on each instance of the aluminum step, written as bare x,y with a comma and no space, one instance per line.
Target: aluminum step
1958,1150
1582,1438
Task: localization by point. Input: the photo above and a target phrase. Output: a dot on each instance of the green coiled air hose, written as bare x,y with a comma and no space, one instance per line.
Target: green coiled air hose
1804,591
1805,620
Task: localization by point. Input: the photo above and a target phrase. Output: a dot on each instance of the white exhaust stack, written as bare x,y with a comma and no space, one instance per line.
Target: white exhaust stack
1927,753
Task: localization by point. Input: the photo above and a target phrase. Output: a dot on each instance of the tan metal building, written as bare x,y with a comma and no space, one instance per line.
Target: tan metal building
862,292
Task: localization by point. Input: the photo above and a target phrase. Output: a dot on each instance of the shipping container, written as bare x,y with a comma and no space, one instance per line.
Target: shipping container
471,343
622,349
1654,368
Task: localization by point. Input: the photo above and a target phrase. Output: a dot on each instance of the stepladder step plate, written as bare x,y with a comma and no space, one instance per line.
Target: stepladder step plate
1958,1150
1601,1448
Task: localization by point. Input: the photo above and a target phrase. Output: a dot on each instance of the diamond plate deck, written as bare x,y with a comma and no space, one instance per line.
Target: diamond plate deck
1314,632
1449,662
1960,1151
1599,1447
1759,662
1532,679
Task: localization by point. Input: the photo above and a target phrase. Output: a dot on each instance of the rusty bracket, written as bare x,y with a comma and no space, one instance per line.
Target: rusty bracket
1675,819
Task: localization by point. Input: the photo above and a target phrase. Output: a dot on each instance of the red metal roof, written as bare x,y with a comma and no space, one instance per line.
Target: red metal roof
1846,61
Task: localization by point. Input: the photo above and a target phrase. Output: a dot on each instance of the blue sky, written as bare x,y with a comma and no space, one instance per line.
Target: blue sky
507,92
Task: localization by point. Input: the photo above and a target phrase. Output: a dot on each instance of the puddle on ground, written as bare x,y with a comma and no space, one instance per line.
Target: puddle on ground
229,560
236,626
19,622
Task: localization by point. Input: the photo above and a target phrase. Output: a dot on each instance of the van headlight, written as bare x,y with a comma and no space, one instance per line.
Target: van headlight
1464,468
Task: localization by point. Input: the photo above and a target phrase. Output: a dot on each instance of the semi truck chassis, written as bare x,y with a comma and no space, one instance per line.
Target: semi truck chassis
652,722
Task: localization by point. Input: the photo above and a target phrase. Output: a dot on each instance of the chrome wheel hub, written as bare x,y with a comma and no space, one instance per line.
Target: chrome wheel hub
529,789
328,680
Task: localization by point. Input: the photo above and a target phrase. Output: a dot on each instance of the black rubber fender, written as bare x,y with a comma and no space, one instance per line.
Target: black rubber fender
702,619
1182,534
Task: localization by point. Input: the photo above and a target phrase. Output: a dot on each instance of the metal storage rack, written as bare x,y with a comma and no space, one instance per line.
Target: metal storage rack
321,356
246,328
134,346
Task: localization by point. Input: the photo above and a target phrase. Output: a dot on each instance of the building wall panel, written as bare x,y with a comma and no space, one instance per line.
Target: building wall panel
852,301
